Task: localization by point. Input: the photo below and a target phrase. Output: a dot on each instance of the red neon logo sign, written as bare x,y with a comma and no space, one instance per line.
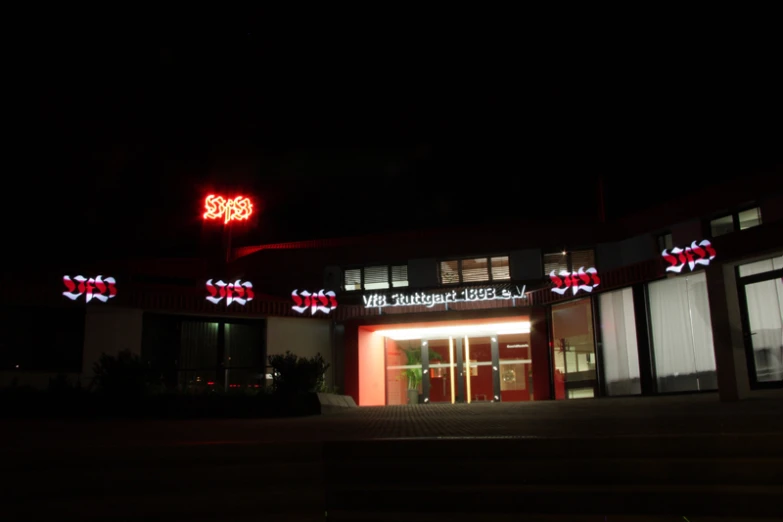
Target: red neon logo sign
236,209
580,280
322,301
696,254
236,292
94,288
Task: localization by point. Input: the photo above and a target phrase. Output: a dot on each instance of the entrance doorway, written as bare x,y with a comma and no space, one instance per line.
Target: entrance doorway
480,365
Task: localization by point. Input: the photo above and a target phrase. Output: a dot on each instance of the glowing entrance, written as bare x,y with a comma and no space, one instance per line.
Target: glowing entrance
466,362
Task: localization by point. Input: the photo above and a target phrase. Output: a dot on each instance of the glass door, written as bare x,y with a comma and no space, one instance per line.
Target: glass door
440,382
763,329
479,369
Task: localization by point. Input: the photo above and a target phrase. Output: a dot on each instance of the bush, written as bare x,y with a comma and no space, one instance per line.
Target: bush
124,376
294,375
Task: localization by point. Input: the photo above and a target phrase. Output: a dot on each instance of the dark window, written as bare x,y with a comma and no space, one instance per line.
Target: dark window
665,242
42,339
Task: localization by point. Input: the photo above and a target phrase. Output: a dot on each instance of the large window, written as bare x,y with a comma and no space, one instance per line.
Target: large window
764,308
736,221
568,261
682,334
474,270
573,349
378,277
620,354
197,354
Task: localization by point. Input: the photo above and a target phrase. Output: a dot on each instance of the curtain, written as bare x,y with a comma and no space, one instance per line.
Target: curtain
620,349
682,334
765,313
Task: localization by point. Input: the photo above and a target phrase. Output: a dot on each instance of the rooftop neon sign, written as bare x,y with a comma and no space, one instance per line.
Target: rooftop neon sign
232,209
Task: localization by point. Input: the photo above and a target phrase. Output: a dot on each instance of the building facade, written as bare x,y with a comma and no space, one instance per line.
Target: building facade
687,298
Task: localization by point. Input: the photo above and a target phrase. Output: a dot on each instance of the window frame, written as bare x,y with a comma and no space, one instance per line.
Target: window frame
734,214
460,279
661,238
362,268
569,259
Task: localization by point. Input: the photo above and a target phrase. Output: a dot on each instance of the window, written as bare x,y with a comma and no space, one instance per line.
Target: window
682,334
749,218
474,270
665,242
568,261
742,220
620,349
353,279
378,277
722,225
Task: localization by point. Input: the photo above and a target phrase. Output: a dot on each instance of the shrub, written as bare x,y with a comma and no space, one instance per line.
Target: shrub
124,375
296,375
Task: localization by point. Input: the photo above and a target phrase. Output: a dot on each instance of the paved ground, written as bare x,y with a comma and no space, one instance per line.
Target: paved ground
611,460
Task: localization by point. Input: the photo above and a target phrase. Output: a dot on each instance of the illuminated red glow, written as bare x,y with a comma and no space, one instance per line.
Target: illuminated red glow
580,280
232,209
697,254
317,301
236,292
94,288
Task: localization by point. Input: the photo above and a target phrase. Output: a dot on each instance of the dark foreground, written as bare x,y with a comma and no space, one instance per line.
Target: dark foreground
678,458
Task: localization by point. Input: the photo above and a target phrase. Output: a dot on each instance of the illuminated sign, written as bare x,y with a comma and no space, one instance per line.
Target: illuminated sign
467,295
236,292
317,301
97,288
522,345
235,209
696,254
580,280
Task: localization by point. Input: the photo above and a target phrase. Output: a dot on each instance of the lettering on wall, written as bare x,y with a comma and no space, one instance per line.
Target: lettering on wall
237,292
467,295
92,288
231,209
580,280
315,302
696,254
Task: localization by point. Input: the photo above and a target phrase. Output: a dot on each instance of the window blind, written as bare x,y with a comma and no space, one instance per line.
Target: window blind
474,270
449,272
500,268
399,276
353,279
557,262
582,259
376,277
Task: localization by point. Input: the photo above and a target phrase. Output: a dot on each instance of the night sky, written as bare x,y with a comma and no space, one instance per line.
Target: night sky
123,135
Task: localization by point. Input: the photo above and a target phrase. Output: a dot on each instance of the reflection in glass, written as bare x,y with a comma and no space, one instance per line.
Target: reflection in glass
765,314
516,368
573,350
442,369
682,334
620,350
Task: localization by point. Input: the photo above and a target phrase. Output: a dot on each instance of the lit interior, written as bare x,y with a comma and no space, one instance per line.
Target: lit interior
431,332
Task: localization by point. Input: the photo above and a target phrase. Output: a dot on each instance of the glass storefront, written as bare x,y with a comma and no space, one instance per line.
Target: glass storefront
573,350
620,351
682,334
483,365
763,309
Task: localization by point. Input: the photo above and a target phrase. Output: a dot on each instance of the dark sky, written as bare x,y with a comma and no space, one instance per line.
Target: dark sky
124,134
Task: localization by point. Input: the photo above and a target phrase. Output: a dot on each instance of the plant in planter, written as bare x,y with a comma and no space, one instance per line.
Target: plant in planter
415,375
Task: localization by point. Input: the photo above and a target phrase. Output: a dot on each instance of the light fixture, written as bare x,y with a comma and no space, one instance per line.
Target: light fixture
434,332
564,252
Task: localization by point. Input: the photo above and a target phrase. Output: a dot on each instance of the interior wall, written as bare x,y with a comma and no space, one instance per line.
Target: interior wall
303,337
372,370
110,331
